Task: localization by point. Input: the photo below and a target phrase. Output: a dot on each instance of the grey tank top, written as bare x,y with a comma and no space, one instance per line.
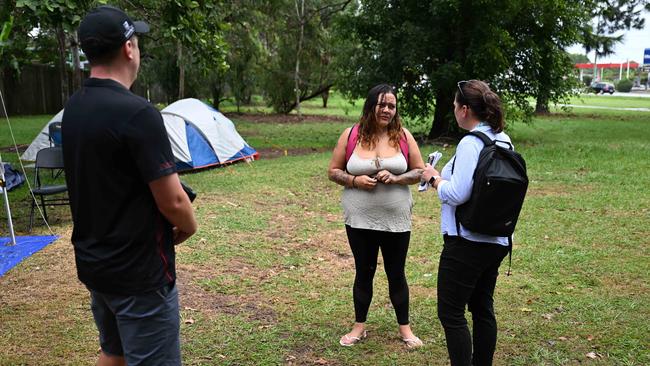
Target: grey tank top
385,208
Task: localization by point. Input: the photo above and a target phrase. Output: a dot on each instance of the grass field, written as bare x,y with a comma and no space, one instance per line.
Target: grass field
616,101
267,279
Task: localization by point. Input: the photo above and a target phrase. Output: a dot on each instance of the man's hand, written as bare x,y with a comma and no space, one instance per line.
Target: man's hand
179,236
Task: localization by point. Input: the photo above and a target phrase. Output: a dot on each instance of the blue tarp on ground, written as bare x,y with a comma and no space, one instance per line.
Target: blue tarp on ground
11,255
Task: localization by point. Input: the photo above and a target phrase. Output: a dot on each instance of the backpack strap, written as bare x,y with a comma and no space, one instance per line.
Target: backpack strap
404,147
353,138
486,140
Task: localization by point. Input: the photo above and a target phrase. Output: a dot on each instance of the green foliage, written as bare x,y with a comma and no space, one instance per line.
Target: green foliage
624,85
6,29
610,16
578,58
517,46
281,47
542,30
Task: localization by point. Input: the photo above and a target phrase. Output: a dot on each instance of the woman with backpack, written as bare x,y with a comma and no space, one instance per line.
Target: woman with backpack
470,260
375,160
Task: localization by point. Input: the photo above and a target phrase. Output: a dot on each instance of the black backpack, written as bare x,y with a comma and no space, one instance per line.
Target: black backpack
500,184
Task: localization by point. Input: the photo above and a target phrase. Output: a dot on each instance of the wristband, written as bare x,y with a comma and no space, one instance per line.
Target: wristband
432,181
354,185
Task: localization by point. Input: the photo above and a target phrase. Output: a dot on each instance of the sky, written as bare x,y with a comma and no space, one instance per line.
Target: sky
631,48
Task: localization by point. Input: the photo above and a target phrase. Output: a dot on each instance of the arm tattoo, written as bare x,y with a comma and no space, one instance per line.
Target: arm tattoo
341,177
411,177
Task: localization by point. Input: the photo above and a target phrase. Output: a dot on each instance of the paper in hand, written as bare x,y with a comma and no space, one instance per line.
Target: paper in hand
433,159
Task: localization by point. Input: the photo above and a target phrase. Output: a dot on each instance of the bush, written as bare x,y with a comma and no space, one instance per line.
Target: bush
587,80
624,85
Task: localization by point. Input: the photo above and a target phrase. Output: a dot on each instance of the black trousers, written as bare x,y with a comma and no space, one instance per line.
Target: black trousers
467,275
365,245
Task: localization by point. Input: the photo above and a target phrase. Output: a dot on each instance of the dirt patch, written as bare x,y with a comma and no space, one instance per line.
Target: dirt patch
285,118
558,190
9,149
274,153
194,297
305,356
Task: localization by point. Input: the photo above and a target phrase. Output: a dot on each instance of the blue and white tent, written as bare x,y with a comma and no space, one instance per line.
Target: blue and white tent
202,137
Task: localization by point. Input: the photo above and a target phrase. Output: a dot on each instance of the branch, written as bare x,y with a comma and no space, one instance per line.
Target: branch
316,93
334,9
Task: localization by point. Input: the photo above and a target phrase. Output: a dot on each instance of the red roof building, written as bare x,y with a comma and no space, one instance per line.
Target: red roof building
632,65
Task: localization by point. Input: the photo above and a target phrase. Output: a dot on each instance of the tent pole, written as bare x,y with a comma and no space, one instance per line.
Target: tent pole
6,199
3,181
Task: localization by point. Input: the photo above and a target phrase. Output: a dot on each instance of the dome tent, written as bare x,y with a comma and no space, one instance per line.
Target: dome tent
200,136
42,140
203,137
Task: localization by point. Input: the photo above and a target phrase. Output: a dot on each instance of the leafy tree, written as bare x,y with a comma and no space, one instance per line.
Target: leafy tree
185,45
405,43
542,30
609,17
578,58
297,46
61,18
424,48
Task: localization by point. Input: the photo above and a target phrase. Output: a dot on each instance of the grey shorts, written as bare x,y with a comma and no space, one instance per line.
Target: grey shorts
143,328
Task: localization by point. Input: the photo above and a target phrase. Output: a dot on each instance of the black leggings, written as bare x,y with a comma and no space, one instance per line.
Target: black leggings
365,245
467,275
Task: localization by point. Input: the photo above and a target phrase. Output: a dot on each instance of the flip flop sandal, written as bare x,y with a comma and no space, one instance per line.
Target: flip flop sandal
414,342
348,341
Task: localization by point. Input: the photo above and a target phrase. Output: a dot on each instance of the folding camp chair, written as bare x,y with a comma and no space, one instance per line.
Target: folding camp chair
54,133
50,158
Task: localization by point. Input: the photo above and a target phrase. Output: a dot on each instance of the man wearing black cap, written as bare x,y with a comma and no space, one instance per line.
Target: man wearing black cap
127,203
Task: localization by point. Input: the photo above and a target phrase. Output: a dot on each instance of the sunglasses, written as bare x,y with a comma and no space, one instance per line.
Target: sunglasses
460,87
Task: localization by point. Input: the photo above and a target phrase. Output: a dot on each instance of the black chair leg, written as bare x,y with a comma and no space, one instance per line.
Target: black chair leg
44,210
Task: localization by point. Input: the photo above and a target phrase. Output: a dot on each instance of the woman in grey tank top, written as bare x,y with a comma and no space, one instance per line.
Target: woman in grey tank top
376,169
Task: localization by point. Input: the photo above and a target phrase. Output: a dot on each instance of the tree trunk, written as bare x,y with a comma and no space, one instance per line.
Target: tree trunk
440,126
76,63
325,95
541,105
181,71
216,95
60,37
301,19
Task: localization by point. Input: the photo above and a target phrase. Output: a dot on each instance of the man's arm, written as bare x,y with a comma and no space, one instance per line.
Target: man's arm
173,203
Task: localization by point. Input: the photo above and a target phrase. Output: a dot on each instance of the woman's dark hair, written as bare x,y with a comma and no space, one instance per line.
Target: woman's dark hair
368,127
485,103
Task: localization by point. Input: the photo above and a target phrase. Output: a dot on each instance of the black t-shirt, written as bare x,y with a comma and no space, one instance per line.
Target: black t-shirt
114,144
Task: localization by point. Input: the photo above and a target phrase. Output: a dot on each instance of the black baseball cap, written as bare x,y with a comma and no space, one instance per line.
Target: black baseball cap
106,28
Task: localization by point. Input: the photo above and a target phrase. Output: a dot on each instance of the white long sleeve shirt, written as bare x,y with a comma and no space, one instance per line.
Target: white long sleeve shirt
456,189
